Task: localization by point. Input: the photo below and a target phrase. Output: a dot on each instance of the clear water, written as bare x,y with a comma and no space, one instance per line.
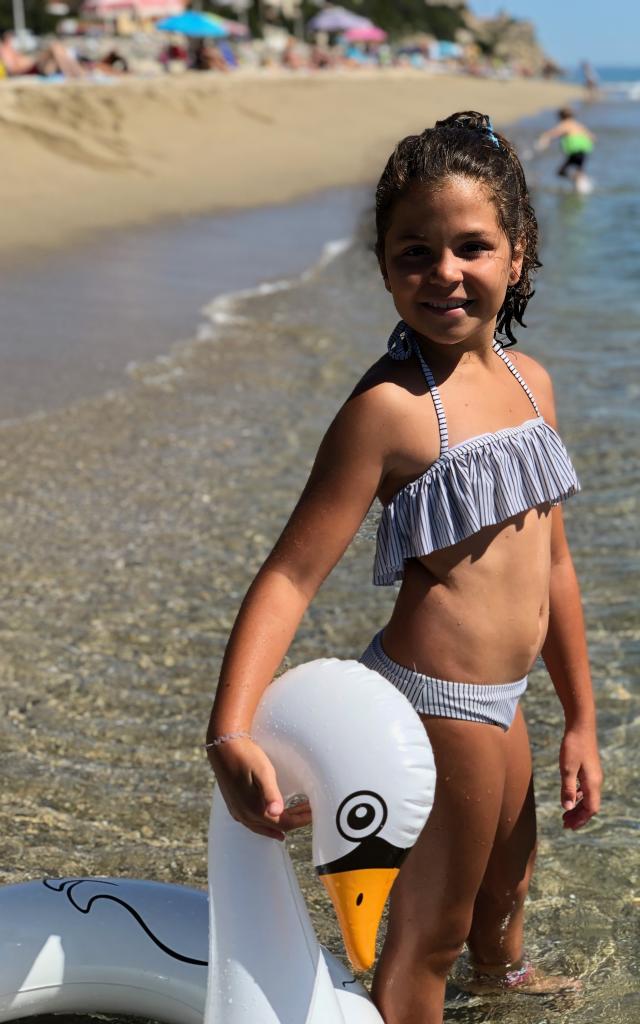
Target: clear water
133,523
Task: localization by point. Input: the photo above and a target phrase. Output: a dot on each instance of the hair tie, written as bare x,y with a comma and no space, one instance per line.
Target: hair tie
399,346
491,134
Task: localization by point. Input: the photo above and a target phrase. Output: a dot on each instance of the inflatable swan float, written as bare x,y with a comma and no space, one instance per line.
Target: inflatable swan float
336,732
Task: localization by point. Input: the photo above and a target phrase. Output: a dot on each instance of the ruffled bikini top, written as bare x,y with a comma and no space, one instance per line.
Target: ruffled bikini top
480,482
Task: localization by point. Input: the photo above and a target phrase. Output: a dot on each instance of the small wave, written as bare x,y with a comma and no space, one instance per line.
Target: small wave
224,309
622,90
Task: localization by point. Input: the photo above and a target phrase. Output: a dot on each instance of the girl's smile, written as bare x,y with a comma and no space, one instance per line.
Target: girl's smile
448,307
447,262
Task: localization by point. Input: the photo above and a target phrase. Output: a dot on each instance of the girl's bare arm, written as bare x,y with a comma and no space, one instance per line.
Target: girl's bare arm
566,657
343,483
565,651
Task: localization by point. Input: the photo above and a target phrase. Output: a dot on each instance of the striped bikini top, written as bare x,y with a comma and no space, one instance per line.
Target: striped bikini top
479,482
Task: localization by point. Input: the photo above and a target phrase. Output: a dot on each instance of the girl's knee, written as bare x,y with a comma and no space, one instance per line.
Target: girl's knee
441,960
434,946
504,892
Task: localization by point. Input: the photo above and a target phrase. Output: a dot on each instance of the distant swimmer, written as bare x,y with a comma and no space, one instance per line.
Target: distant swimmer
590,79
576,142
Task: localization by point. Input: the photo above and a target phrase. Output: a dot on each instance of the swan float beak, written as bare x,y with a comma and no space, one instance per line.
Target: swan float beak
358,885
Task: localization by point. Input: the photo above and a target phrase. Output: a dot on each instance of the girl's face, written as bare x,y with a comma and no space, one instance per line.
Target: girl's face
447,262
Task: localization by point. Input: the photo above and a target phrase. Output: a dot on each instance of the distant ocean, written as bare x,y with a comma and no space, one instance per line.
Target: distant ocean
623,82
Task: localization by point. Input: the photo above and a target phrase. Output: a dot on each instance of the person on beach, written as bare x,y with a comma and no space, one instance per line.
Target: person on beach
577,143
458,442
590,80
54,59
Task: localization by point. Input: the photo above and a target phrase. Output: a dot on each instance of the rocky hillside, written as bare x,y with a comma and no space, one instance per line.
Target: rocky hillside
509,40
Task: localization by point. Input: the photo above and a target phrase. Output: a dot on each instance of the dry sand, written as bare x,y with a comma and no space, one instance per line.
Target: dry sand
86,156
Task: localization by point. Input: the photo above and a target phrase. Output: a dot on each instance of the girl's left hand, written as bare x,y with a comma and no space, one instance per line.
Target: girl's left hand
581,776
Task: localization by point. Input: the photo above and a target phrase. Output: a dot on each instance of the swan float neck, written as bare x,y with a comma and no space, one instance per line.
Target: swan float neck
342,736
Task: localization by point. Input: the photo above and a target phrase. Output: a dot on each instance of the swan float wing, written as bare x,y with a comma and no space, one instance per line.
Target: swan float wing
110,945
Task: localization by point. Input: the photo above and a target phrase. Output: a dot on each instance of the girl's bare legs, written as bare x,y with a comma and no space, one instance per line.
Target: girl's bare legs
496,935
432,903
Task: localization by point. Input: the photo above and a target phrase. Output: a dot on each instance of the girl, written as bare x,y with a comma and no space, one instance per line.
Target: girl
446,432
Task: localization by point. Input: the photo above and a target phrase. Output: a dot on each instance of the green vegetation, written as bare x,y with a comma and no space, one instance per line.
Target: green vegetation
404,16
37,19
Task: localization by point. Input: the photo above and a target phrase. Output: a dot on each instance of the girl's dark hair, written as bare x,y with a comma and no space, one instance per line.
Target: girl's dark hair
466,145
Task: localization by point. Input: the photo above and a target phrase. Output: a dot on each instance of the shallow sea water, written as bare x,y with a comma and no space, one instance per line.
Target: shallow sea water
133,523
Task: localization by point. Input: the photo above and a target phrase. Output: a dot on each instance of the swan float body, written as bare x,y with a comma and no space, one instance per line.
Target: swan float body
103,945
337,733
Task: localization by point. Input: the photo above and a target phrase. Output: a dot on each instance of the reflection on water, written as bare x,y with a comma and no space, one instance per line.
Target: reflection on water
132,524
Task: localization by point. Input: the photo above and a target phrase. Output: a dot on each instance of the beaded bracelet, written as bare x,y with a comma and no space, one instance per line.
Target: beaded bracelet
219,740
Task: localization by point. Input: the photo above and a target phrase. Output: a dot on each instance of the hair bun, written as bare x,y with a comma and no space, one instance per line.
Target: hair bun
470,119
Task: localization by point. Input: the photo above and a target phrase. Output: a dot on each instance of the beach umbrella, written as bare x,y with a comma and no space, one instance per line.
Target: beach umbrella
142,8
195,25
233,28
337,19
365,34
447,49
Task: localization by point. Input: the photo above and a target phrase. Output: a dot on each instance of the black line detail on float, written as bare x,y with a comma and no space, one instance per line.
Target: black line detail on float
375,852
68,885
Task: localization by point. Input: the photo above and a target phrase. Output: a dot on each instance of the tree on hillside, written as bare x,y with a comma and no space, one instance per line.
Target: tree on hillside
36,16
403,16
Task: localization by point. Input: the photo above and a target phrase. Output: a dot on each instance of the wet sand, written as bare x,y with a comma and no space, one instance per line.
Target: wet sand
130,526
88,156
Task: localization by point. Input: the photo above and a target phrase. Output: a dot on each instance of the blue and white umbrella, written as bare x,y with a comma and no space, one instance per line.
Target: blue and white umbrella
195,25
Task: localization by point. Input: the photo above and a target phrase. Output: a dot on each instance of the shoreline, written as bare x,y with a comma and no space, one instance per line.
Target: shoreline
85,157
78,325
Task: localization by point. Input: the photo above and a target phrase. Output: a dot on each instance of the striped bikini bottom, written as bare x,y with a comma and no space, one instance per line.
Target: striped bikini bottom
438,698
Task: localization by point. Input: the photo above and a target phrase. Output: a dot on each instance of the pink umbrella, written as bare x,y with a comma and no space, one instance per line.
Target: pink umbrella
143,8
365,34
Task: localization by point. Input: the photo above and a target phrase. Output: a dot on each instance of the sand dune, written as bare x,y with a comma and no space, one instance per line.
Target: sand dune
86,156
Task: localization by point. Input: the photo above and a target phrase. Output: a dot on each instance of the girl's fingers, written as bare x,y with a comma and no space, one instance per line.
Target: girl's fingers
271,796
591,793
577,817
259,826
263,830
295,817
568,789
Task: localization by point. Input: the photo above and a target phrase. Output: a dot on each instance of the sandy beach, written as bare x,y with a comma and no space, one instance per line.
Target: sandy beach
87,156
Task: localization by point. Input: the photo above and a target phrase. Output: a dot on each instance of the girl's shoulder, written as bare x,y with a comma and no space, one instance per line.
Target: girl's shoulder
381,410
389,382
538,379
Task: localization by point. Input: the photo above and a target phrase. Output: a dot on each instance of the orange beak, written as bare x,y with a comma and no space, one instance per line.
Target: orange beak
358,897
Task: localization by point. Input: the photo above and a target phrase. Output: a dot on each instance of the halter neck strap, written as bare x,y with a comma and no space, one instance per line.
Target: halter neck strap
402,345
498,349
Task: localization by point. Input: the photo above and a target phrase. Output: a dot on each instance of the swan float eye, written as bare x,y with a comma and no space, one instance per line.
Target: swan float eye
361,815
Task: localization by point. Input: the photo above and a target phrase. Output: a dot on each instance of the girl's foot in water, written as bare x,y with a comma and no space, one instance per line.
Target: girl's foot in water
524,978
